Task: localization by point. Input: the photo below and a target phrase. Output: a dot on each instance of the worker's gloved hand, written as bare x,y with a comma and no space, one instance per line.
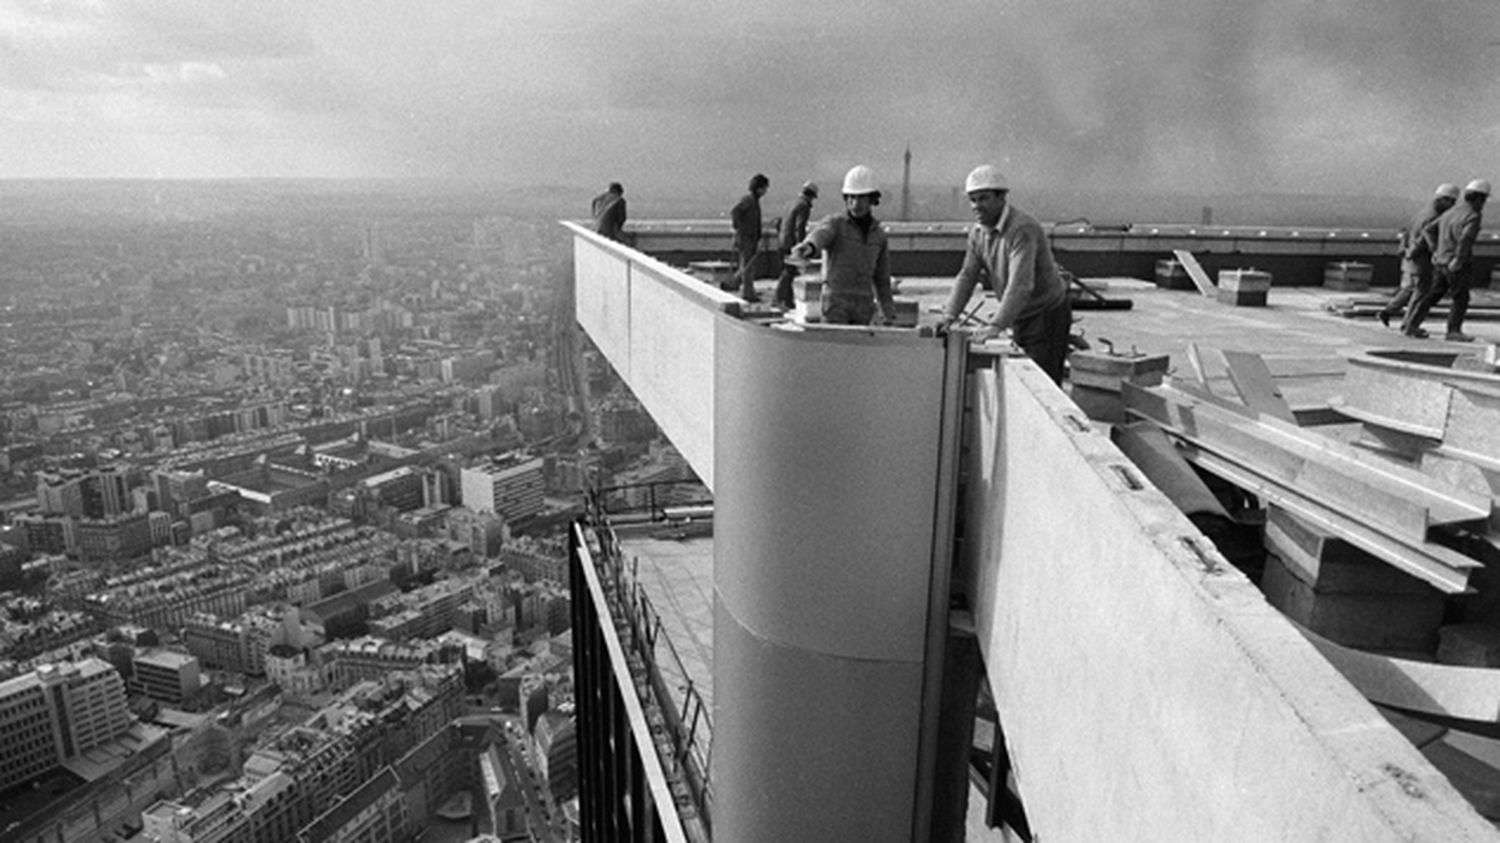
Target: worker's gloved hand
802,252
943,326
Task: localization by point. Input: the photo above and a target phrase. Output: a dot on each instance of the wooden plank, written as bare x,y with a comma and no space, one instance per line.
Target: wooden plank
1257,388
1195,271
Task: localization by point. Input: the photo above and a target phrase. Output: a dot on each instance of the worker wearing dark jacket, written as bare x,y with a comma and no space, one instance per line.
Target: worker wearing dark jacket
856,256
609,212
793,230
1416,256
1453,260
1009,248
745,217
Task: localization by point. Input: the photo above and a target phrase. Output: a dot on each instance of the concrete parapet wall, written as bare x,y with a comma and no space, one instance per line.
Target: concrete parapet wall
656,325
1146,689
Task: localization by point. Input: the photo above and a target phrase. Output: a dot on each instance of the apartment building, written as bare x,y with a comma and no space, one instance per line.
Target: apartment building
55,713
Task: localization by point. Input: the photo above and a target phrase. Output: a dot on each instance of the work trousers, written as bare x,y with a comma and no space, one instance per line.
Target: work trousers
784,285
747,253
1416,282
1044,338
1446,281
847,308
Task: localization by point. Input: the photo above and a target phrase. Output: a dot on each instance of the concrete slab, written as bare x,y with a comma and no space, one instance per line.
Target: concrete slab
678,578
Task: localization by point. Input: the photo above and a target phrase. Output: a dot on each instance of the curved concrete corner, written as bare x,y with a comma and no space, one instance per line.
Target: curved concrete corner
826,457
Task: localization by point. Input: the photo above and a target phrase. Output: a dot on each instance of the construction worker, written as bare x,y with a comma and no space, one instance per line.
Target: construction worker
1453,261
856,256
745,216
1009,252
609,212
1416,257
793,229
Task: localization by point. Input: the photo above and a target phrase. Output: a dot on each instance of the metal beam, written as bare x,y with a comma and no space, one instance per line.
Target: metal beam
1402,500
1385,510
1444,569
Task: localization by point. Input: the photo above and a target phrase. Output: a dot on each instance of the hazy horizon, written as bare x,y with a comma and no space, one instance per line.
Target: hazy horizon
214,196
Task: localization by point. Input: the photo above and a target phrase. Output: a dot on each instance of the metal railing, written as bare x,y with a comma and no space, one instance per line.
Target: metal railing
679,715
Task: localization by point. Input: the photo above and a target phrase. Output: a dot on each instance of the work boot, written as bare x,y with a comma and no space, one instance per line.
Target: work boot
1417,333
1385,318
1458,336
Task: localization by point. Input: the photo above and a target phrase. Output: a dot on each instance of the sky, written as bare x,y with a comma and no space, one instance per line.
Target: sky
1348,97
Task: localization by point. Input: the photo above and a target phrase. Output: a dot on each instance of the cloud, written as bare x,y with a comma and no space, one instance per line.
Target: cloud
76,44
1072,94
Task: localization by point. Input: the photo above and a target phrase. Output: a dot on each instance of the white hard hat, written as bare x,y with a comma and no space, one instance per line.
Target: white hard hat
985,177
860,181
1478,186
1447,190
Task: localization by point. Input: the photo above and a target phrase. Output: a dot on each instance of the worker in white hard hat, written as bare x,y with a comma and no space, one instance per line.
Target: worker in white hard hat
856,256
793,230
1453,260
1416,256
745,218
1008,250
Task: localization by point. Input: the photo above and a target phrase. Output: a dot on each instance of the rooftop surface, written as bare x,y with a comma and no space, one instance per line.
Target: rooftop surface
678,578
1294,323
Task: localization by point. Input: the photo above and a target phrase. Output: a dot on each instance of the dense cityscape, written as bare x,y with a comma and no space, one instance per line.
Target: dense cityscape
285,485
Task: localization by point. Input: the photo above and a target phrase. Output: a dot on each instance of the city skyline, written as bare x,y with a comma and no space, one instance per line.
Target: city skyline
1335,97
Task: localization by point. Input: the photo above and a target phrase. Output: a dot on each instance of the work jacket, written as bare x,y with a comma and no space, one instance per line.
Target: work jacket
794,222
1457,229
1419,239
855,263
1017,259
609,215
745,216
